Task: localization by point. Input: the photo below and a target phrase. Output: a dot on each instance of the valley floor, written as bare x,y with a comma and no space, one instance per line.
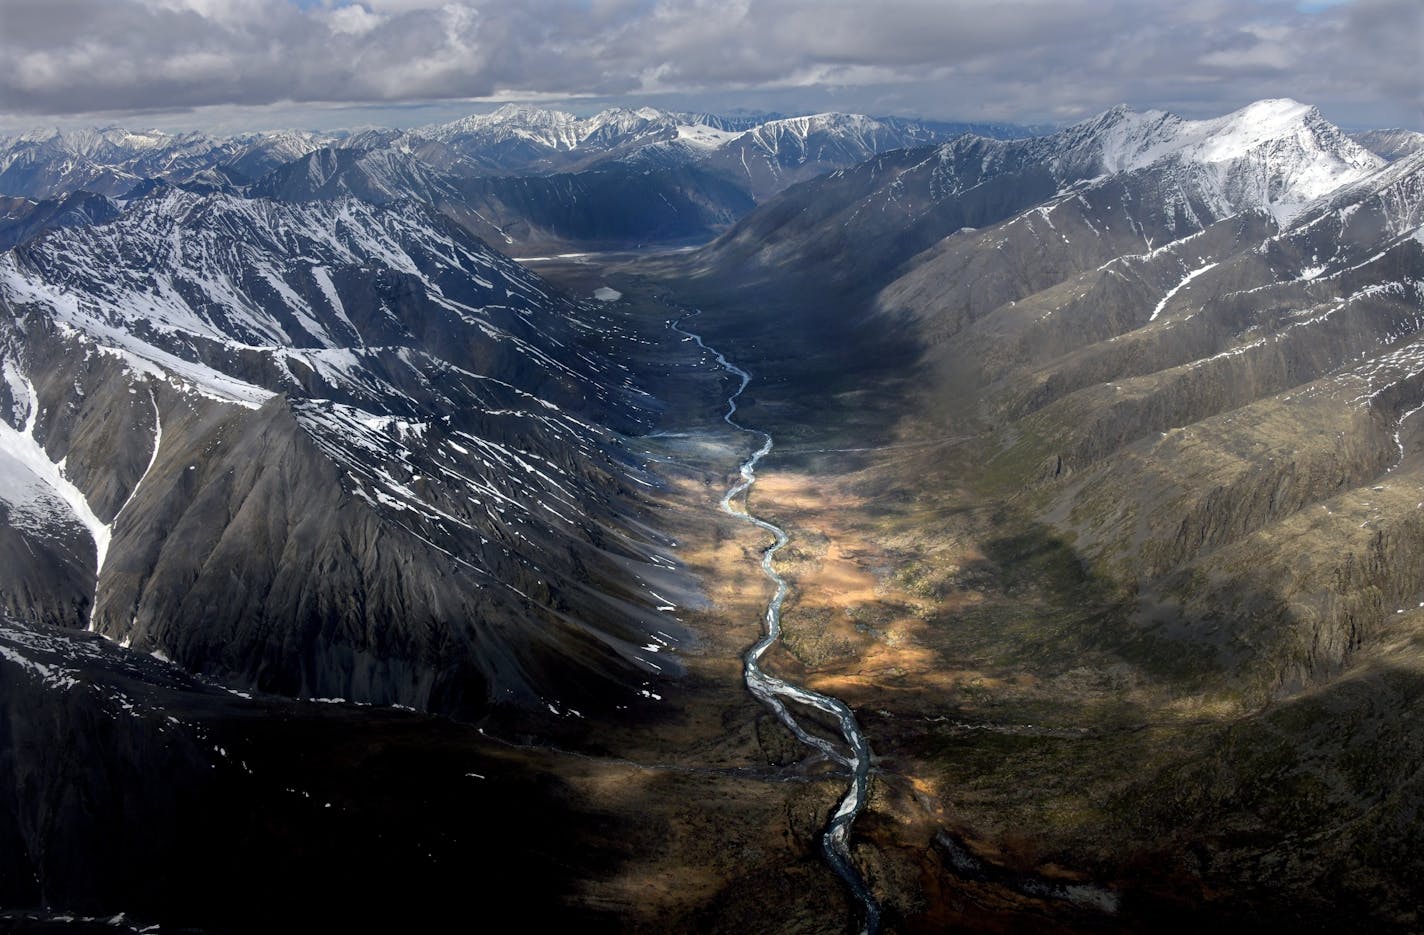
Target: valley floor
1044,762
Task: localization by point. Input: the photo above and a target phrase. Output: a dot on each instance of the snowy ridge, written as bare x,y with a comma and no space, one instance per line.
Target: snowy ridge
790,149
41,498
1366,242
1342,235
755,149
112,160
193,273
1274,155
379,174
855,130
1394,197
555,129
564,131
1393,143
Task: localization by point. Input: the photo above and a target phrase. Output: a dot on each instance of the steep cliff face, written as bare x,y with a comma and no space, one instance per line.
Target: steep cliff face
327,450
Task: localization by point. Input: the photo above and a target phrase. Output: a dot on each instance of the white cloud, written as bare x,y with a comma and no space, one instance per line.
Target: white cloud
1026,59
353,20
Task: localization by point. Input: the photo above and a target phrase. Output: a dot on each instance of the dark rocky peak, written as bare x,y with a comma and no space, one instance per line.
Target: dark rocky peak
22,219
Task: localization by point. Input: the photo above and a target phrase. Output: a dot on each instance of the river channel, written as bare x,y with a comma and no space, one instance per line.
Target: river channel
775,692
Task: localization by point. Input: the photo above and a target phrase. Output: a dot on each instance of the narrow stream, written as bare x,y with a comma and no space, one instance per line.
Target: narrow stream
774,692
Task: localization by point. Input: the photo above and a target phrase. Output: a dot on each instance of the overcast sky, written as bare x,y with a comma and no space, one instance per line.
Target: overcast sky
239,64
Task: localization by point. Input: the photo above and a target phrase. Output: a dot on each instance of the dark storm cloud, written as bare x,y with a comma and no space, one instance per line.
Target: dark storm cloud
1019,59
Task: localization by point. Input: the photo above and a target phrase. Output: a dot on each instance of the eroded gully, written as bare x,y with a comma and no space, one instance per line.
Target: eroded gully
775,692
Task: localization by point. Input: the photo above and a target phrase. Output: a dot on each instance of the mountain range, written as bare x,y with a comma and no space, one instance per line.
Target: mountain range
1097,454
537,177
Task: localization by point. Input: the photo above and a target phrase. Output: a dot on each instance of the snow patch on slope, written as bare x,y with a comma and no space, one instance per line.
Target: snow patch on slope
705,137
1178,288
34,486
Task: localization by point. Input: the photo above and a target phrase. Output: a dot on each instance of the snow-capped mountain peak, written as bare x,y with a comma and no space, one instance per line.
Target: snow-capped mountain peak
1275,155
1130,140
552,128
703,136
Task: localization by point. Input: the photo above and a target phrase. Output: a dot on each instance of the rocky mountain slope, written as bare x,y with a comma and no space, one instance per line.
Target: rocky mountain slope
139,796
376,459
1242,378
381,174
22,219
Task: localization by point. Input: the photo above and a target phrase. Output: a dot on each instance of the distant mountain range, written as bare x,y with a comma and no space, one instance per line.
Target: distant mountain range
536,177
856,225
1391,144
